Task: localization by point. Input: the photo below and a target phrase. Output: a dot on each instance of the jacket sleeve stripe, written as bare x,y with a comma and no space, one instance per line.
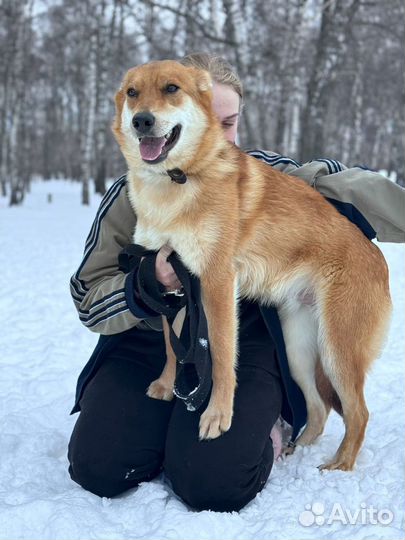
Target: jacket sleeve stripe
105,200
338,165
285,160
108,316
119,292
327,162
272,159
87,319
78,284
109,198
76,298
333,165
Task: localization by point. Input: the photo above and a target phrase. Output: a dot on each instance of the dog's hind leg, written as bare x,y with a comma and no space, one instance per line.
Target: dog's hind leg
326,390
300,329
349,386
352,328
344,360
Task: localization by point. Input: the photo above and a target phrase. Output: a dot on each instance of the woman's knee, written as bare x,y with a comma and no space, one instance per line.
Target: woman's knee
218,485
106,476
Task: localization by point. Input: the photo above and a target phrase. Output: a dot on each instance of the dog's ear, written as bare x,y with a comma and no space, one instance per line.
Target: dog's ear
202,77
119,99
119,103
204,81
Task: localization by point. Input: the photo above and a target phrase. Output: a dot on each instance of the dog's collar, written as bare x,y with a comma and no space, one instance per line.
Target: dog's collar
177,175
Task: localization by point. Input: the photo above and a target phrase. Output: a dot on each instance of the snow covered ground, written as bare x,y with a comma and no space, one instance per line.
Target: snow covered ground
43,348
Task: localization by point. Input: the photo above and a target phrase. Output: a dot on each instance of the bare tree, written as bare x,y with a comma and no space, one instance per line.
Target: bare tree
91,117
320,78
16,158
331,50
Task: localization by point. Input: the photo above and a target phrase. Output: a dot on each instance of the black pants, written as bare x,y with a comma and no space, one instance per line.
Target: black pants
122,437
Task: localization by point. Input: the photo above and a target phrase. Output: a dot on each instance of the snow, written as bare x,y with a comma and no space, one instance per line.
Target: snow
203,342
391,175
44,347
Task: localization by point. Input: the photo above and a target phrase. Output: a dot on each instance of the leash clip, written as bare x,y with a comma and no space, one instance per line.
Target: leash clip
176,292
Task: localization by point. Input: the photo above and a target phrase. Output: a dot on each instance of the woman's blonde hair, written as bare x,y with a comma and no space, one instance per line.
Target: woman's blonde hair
220,69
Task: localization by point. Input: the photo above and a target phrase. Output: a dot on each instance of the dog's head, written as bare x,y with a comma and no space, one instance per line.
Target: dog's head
163,111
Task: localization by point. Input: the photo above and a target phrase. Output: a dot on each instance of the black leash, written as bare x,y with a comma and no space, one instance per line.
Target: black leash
191,348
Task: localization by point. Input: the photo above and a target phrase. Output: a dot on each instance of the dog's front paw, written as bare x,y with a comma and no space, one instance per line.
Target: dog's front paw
215,421
160,389
338,464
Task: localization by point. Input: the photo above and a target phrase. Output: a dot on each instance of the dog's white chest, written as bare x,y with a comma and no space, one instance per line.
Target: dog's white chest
149,238
158,225
190,248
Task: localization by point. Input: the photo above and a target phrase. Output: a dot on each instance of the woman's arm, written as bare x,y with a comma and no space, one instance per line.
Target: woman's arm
104,296
380,201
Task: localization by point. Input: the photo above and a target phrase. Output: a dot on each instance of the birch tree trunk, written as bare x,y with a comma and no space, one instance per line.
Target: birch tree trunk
103,57
192,42
9,53
17,185
331,48
236,32
91,114
293,78
215,17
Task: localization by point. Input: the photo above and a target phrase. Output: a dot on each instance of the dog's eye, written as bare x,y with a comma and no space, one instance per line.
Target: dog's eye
131,92
171,88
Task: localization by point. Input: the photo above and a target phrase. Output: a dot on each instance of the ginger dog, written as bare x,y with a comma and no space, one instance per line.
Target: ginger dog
246,229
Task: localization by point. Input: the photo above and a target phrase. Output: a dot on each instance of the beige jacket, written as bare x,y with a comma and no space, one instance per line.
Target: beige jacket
103,294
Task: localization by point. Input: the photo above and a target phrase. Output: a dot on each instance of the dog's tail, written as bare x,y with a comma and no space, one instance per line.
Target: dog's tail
326,390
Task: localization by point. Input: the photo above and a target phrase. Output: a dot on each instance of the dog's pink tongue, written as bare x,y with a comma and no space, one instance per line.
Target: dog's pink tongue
151,147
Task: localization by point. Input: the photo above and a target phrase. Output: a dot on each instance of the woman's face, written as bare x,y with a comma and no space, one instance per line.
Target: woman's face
226,103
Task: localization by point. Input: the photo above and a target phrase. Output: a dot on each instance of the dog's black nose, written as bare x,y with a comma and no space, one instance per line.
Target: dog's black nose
143,122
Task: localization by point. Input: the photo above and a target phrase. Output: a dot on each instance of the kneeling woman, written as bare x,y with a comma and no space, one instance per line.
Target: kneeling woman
122,437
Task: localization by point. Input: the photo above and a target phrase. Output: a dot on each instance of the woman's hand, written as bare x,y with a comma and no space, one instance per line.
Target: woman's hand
164,270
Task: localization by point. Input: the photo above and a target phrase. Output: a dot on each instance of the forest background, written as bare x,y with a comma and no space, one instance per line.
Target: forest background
322,78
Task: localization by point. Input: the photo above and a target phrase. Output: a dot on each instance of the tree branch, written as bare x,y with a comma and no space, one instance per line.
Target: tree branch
199,23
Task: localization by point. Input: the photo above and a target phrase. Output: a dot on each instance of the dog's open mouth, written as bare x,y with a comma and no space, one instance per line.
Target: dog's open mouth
155,149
